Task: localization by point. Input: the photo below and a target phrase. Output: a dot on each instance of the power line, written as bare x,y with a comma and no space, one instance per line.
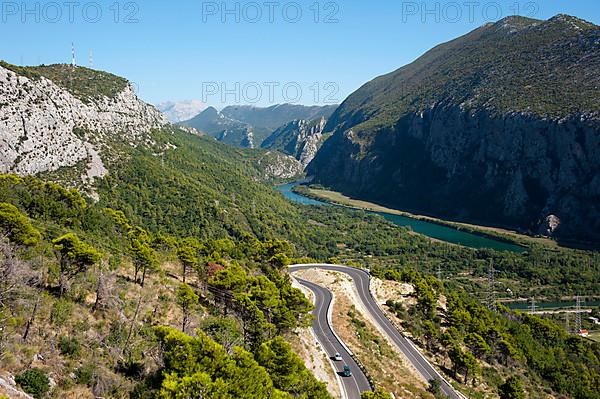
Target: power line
491,294
578,316
532,307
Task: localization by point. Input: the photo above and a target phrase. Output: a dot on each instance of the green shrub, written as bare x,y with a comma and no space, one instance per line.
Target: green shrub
69,346
61,312
34,382
86,374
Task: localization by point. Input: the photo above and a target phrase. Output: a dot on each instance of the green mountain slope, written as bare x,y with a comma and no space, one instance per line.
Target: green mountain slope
500,126
544,68
196,186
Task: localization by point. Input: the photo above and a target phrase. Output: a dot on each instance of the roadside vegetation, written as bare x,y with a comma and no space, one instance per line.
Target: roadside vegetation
502,350
93,305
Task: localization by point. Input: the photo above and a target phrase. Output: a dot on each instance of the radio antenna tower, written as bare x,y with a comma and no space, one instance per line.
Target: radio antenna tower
73,55
532,307
91,59
491,294
578,315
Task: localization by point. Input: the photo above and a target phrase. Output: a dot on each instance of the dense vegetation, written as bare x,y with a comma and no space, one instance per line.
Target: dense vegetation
207,190
86,277
502,348
185,250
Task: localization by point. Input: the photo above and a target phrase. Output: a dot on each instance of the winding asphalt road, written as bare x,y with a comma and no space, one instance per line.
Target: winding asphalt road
361,281
355,384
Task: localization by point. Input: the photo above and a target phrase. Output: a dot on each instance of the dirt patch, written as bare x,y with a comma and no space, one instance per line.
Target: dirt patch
384,362
398,292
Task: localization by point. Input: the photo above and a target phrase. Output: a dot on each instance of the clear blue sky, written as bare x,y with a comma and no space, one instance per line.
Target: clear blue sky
189,49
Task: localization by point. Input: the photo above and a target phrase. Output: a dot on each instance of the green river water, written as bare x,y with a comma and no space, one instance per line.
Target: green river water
433,230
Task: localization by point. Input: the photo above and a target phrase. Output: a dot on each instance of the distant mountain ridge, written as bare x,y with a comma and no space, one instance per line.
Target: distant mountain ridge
500,126
276,116
249,126
222,128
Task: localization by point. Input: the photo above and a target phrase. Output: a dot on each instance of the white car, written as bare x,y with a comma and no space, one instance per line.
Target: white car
337,357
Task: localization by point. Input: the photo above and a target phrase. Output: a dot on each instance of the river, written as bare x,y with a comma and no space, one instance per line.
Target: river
433,230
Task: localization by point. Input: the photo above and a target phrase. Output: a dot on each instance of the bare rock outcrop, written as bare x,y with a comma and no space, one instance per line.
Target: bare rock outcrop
44,127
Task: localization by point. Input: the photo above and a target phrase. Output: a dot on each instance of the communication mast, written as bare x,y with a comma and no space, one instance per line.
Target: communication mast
73,64
91,59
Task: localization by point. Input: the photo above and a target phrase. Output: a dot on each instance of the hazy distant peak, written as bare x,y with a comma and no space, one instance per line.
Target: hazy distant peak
178,111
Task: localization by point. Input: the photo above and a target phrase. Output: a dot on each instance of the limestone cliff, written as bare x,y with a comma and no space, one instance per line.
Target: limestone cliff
47,124
299,138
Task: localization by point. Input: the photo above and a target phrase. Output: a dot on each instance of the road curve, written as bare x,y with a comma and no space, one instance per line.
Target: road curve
361,280
357,383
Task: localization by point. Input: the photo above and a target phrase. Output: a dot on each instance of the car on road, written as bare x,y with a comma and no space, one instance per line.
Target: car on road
337,357
347,372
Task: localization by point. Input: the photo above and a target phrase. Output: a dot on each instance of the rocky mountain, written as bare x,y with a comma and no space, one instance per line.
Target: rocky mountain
179,111
300,139
500,126
249,126
275,165
52,117
223,128
273,117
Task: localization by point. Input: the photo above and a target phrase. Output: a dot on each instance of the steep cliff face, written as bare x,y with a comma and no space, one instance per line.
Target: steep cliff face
300,139
45,126
275,165
476,146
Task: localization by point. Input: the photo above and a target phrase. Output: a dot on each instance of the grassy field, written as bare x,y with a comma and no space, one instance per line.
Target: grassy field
341,199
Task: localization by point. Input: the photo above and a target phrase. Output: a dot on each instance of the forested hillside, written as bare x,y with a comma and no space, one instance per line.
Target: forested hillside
187,248
522,355
83,292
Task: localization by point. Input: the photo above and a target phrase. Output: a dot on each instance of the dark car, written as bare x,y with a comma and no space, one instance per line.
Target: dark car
347,372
